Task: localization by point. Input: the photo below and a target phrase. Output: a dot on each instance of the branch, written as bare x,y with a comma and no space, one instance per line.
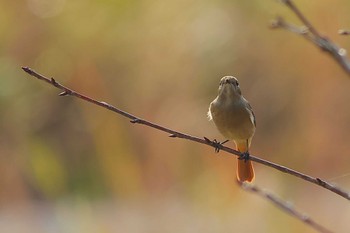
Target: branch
310,33
287,207
176,134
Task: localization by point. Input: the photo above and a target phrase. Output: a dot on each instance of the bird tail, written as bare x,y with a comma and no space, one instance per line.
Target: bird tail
245,170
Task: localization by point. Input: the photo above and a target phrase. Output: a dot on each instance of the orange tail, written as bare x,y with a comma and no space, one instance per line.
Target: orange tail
245,171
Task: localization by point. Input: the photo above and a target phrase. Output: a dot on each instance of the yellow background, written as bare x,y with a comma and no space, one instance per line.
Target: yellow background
69,166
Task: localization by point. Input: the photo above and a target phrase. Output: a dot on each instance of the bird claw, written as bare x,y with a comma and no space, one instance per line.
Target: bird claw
216,144
244,156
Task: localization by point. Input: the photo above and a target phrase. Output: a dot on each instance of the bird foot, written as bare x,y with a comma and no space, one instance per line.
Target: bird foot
216,144
244,156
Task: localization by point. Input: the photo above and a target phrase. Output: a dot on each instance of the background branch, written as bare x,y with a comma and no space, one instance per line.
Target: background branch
344,32
285,206
310,33
176,134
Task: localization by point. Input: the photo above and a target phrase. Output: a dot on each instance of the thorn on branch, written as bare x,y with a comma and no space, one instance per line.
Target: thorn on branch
173,136
344,32
27,70
207,140
320,182
107,105
342,52
64,93
277,23
136,120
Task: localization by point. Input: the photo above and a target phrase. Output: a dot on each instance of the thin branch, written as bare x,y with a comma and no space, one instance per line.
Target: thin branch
302,18
310,33
176,134
287,207
279,22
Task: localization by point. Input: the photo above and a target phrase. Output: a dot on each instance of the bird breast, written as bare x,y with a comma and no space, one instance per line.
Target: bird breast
233,119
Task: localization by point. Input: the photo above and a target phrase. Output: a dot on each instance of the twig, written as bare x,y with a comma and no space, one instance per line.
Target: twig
287,207
176,134
310,33
303,19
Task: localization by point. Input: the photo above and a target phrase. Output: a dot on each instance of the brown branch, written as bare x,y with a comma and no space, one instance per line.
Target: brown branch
287,207
310,33
176,134
302,18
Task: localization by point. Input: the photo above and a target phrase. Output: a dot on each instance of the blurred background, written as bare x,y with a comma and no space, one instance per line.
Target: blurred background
69,166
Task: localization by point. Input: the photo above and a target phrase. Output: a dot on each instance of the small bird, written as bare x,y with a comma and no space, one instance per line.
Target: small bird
235,120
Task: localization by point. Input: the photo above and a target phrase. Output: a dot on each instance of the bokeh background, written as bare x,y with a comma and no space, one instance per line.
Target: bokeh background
69,166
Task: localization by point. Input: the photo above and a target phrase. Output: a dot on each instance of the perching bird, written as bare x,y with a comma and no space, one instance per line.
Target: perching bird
235,120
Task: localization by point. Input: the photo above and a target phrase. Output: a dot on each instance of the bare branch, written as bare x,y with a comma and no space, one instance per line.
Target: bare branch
285,206
176,134
310,33
302,18
279,22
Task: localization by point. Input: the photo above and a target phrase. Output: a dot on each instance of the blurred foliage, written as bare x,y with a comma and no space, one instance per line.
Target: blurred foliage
85,169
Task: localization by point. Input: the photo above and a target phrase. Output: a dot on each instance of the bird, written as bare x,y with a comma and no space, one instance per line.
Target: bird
235,120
